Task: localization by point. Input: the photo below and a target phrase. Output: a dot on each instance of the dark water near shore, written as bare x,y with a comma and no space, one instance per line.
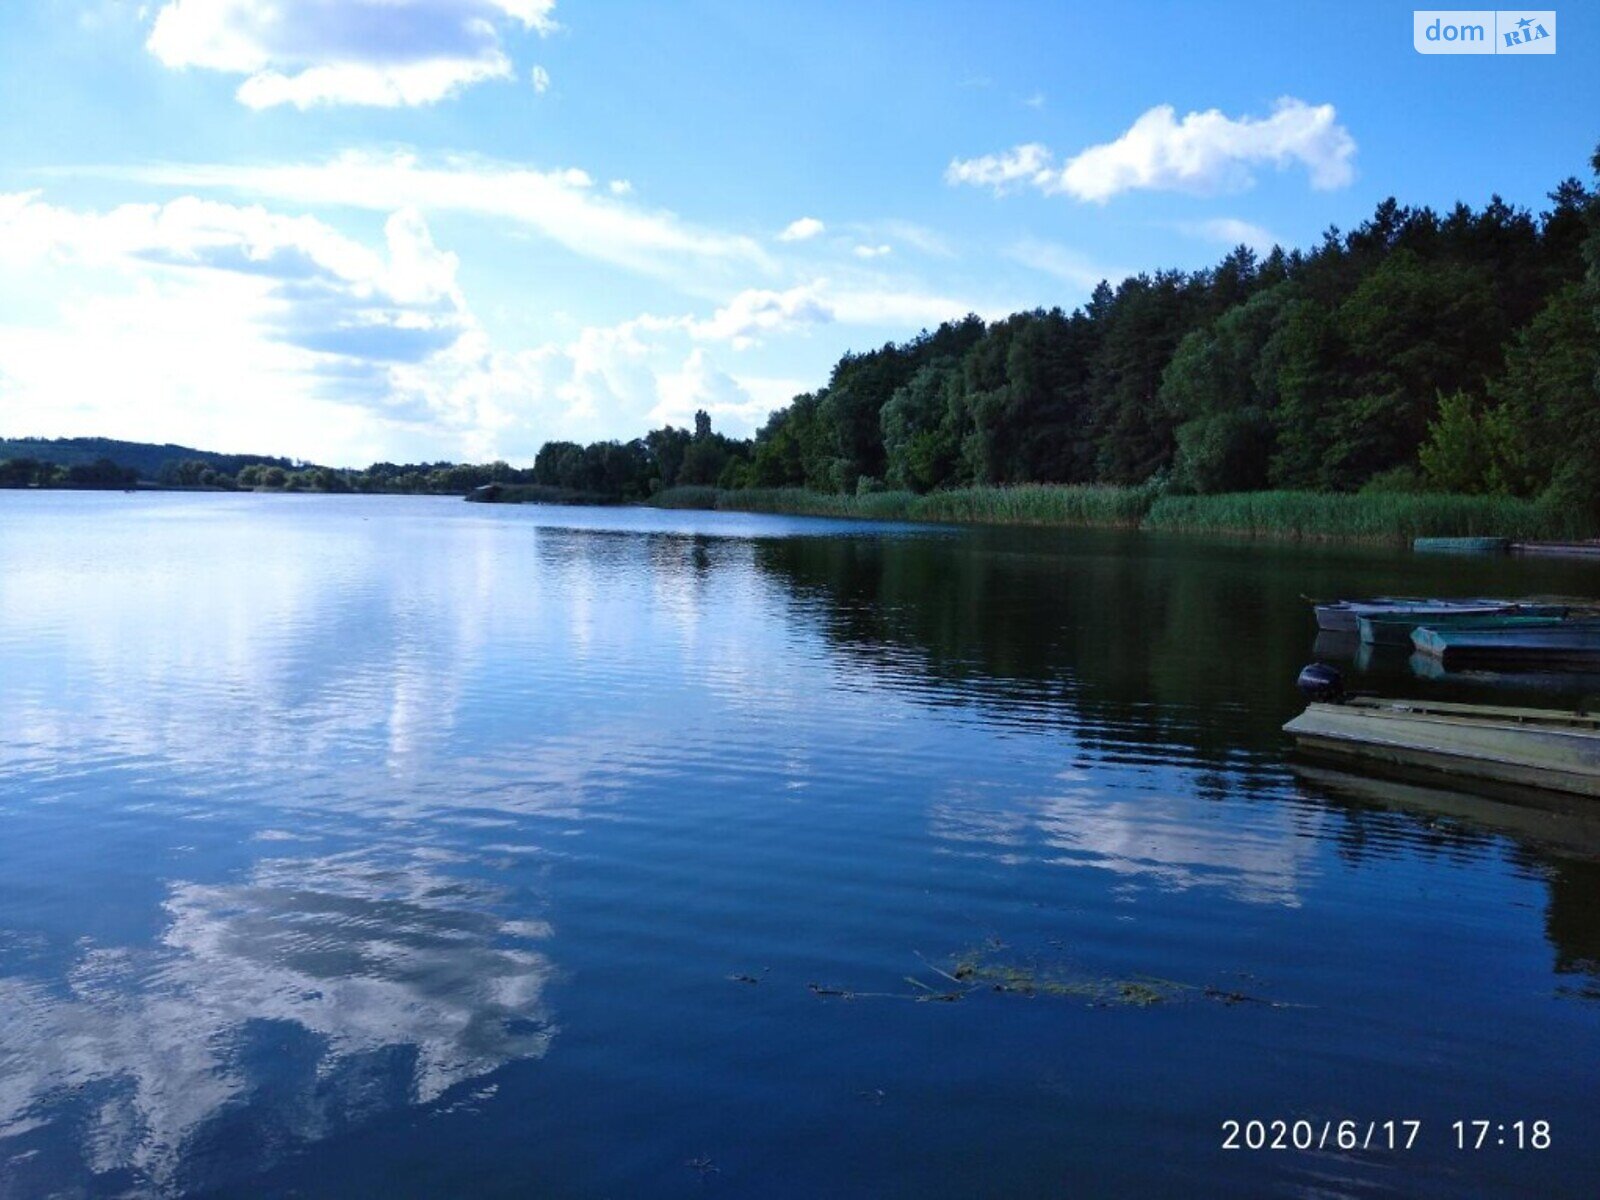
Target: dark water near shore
392,847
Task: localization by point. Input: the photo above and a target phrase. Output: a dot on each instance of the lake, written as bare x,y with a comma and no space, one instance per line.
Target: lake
387,846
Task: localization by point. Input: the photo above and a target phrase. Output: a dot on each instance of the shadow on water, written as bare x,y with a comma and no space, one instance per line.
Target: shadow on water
1187,649
1553,838
1164,640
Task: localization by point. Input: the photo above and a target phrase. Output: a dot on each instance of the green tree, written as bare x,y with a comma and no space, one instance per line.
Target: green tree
1467,451
1549,390
1413,329
919,432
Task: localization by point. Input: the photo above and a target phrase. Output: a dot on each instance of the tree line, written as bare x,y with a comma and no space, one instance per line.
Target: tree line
31,472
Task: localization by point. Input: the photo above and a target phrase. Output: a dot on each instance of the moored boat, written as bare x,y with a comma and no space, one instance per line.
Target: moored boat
1396,630
1522,746
1561,644
1586,549
1343,616
1460,545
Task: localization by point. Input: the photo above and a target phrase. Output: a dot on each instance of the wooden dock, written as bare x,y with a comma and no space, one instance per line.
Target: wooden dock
1529,747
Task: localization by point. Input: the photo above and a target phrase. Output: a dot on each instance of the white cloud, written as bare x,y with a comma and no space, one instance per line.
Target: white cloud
237,327
230,326
1002,172
560,204
757,311
1036,100
620,187
768,393
384,53
607,381
1231,231
802,229
1208,152
1204,153
540,78
878,251
318,290
700,384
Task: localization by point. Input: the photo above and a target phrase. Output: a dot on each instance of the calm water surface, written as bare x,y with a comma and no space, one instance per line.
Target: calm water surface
402,847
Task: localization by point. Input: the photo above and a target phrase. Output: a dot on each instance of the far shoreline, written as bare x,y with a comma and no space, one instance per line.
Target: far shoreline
1395,520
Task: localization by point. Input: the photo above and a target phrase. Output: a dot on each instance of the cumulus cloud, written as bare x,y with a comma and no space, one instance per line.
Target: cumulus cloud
1203,153
756,311
210,323
561,204
878,251
540,78
383,53
317,289
607,381
699,383
239,326
199,320
801,230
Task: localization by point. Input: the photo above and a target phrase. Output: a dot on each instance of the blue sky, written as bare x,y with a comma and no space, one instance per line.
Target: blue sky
351,229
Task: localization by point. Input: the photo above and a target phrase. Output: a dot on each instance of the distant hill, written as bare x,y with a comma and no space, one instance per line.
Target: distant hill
145,457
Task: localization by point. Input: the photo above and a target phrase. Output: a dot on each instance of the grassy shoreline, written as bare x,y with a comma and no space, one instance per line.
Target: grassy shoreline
1384,518
1025,504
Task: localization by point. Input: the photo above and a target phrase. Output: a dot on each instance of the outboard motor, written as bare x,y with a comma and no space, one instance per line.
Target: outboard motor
1322,683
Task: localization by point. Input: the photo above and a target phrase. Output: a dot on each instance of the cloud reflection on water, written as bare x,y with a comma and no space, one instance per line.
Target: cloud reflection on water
1161,838
324,989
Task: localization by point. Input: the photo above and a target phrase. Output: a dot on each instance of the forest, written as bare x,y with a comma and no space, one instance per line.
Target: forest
1421,352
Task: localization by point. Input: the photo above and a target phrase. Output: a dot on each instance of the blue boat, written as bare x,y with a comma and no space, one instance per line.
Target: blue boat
1461,545
1396,630
1343,616
1562,645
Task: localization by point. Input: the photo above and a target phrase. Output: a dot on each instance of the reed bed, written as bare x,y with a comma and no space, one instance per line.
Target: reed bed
1382,517
1026,504
1291,516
